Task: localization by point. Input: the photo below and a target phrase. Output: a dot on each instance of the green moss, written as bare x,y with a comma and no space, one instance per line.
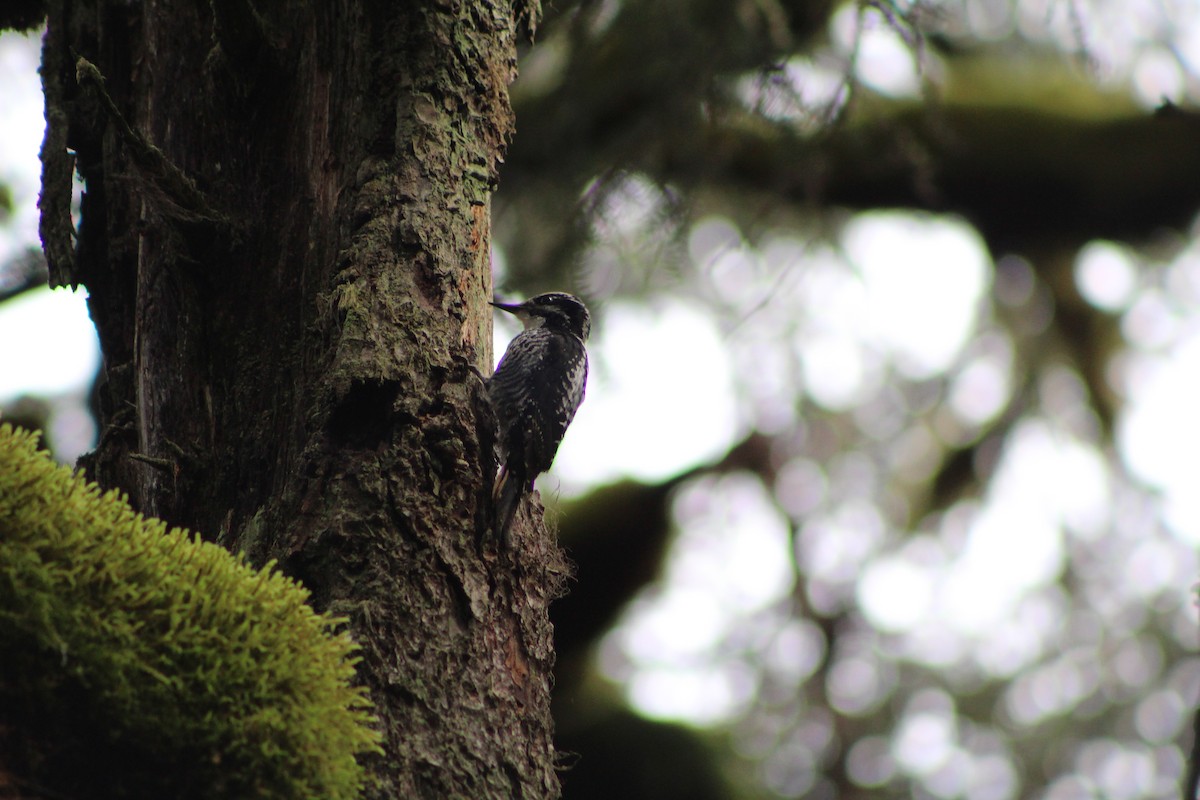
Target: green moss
154,664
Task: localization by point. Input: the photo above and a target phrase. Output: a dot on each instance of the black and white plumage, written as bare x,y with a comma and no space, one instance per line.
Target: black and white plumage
536,390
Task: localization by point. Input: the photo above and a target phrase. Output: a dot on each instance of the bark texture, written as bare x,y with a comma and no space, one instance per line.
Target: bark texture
285,235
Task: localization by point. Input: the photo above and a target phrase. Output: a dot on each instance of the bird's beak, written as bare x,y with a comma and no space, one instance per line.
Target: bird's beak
519,311
512,308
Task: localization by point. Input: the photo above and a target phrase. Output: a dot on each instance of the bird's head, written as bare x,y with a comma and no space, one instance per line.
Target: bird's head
555,310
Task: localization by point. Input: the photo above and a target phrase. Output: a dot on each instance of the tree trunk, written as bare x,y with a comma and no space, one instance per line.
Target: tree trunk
285,236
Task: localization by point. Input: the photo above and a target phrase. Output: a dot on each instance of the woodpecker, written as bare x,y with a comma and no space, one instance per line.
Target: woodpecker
536,390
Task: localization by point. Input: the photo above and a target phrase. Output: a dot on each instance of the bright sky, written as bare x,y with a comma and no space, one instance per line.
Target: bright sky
56,348
905,295
55,352
21,127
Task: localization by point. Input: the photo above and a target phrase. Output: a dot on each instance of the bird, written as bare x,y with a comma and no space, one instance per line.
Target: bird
536,390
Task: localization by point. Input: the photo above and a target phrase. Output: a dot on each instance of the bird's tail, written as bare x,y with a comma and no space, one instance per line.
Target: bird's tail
506,496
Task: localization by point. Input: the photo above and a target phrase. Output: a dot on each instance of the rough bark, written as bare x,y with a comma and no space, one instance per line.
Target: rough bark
285,236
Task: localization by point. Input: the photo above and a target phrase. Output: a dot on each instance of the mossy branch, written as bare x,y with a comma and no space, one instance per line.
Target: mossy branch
140,662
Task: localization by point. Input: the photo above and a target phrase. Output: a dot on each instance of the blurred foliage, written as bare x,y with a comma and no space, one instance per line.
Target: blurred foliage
27,413
722,153
28,271
613,761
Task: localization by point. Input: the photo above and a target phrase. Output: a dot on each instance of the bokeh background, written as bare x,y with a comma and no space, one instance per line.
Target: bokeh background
886,483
